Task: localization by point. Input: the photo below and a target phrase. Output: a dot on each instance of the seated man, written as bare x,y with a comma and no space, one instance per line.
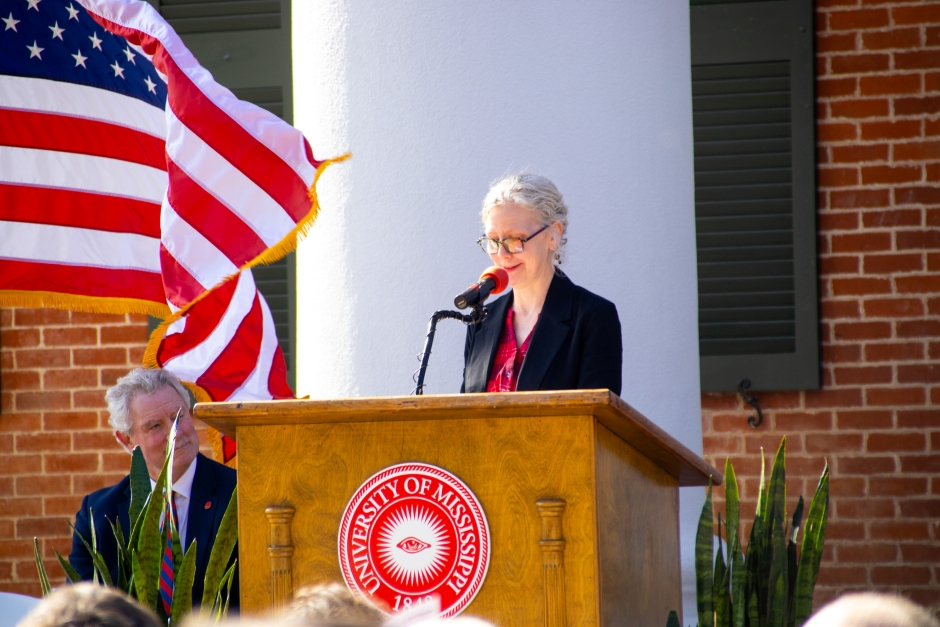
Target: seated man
143,405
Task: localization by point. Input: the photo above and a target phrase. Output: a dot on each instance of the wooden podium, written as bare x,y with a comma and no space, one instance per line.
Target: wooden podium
579,489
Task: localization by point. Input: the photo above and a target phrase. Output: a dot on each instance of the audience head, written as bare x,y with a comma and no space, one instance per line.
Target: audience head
331,605
870,609
142,406
89,605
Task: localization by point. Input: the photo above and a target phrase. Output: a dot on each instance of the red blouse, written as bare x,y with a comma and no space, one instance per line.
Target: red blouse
505,373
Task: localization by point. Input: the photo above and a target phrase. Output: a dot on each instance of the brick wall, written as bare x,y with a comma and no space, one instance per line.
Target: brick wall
876,418
55,444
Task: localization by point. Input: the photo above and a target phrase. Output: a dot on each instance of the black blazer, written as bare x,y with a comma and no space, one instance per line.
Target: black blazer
213,484
576,344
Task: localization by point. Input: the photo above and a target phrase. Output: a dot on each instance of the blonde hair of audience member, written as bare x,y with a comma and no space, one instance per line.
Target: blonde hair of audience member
89,605
871,609
330,605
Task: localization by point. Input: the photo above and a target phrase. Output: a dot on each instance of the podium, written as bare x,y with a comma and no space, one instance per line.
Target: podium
579,491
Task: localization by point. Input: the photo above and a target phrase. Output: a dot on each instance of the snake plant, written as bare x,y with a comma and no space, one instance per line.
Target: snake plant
770,584
140,552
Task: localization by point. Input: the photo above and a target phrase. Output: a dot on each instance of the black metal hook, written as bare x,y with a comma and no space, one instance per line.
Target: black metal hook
754,421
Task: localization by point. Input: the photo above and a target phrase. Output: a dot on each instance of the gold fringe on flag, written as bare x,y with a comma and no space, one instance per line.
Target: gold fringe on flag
77,302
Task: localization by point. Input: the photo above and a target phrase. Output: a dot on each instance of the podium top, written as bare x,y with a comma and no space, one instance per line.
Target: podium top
608,408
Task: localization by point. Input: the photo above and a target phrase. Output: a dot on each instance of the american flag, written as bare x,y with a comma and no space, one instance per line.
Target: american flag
161,178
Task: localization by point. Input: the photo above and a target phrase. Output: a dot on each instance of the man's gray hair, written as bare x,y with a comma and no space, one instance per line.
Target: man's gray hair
136,382
534,192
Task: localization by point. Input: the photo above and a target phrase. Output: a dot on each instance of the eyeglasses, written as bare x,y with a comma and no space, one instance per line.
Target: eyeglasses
512,245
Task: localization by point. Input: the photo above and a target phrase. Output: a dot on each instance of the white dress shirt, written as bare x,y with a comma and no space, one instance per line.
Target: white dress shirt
182,493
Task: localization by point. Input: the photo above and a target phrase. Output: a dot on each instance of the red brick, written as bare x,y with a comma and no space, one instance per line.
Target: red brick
891,130
859,63
26,401
95,441
862,330
867,552
864,420
837,177
833,398
70,336
720,401
839,530
799,422
6,402
38,484
917,195
860,198
933,37
88,399
834,132
721,445
40,317
895,396
864,508
917,151
872,175
893,308
860,153
917,60
920,13
15,548
832,443
896,442
16,508
109,376
834,87
920,463
918,284
919,419
19,338
19,380
840,264
42,442
899,530
929,553
918,239
860,286
933,217
835,43
901,217
86,484
890,84
6,443
116,462
897,486
893,352
840,353
863,374
69,420
895,38
136,334
729,422
931,127
79,317
919,328
40,527
135,354
858,19
70,463
20,464
70,379
6,486
841,576
861,242
20,422
842,487
6,358
921,373
42,358
899,575
100,356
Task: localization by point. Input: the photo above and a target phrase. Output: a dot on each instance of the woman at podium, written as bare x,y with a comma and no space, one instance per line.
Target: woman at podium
547,333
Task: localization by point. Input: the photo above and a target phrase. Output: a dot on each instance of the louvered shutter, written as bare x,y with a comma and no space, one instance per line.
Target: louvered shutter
755,200
246,44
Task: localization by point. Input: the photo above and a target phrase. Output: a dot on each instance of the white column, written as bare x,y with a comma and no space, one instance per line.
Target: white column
437,100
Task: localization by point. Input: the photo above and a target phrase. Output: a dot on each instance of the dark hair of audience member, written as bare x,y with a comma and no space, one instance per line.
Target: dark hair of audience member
89,605
331,605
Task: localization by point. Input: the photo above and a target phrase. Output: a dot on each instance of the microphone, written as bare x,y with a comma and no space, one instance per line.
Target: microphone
493,281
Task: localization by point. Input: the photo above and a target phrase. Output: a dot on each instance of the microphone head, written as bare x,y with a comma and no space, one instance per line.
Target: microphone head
500,276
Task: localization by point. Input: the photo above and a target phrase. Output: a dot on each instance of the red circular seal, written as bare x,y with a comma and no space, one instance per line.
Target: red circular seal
413,532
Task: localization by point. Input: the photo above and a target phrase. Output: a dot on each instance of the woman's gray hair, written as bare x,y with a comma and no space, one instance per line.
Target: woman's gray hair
534,192
136,382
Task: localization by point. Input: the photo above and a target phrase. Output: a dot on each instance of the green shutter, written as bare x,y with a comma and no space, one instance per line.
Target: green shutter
755,200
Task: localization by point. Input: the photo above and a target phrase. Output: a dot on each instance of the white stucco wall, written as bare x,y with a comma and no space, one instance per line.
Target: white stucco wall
436,100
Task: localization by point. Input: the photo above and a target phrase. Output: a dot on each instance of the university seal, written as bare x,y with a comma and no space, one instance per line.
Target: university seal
413,532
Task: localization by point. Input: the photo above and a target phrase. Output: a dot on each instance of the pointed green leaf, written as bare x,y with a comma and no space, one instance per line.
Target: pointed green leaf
811,550
761,492
101,572
777,490
70,572
732,503
673,620
703,563
183,585
146,595
753,613
222,549
140,487
229,578
150,546
738,605
41,568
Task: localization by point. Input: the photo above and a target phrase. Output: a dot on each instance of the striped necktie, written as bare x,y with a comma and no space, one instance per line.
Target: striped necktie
166,569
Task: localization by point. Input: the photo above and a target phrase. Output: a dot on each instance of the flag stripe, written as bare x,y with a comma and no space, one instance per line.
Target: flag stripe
46,131
277,378
181,287
81,101
46,168
213,220
19,203
238,358
255,386
79,247
197,328
201,259
234,190
98,282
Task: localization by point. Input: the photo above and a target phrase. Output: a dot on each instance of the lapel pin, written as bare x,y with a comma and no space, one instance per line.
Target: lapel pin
208,504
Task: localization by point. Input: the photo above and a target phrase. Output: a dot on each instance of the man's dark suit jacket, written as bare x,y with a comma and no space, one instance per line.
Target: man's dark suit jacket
576,344
213,484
